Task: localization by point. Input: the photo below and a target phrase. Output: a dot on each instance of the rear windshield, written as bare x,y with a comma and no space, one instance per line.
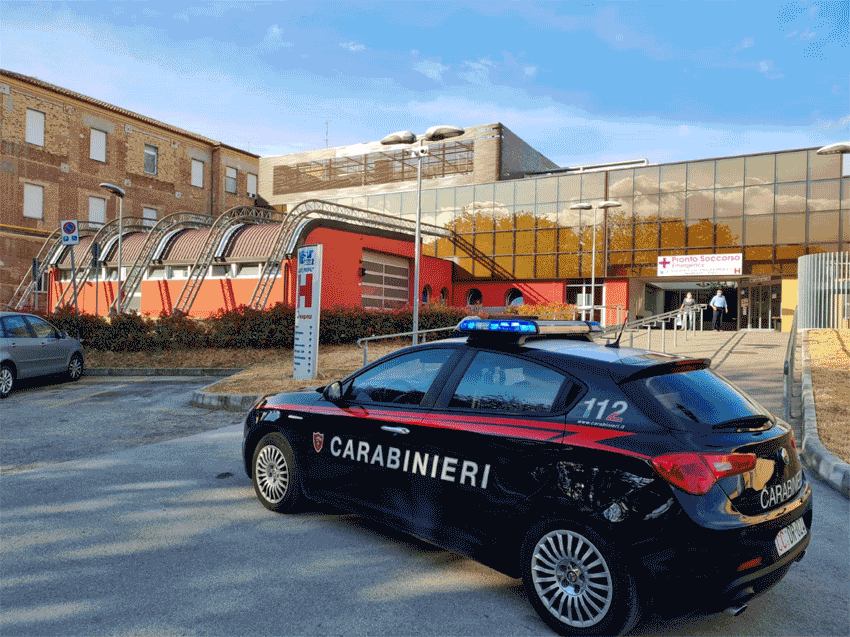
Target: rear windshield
699,397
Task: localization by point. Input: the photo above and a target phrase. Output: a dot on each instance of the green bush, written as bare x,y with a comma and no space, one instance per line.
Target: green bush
243,327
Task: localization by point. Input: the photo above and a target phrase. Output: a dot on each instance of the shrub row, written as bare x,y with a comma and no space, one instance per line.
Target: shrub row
242,327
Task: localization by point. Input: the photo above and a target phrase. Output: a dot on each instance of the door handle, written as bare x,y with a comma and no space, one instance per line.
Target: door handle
396,430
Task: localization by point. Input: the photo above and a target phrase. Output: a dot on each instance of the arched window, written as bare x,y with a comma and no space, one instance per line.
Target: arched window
474,297
514,298
444,296
427,294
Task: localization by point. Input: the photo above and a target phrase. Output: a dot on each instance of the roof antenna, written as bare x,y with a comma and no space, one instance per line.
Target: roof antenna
616,342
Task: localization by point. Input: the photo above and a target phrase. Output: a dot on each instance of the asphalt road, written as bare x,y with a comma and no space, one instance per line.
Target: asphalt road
158,539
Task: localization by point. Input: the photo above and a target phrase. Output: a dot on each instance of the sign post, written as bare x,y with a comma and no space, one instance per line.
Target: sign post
95,254
71,237
308,305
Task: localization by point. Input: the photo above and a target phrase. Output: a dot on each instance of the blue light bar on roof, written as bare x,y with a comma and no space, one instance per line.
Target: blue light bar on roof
476,325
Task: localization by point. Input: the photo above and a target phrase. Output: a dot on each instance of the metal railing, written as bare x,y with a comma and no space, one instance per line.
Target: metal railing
364,342
788,369
653,321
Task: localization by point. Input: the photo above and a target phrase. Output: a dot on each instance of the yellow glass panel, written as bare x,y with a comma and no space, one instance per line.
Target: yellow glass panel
546,240
568,240
505,262
646,256
673,178
793,228
482,270
646,236
730,172
729,232
483,241
700,251
620,237
759,230
672,234
789,252
758,253
524,267
568,266
761,268
646,180
504,243
788,268
791,198
700,233
791,166
525,242
445,248
823,195
546,266
620,258
621,183
673,205
430,249
465,264
701,204
524,220
758,200
759,170
484,221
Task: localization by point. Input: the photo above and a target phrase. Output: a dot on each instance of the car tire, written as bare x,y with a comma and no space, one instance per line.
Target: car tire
275,474
576,581
75,367
7,380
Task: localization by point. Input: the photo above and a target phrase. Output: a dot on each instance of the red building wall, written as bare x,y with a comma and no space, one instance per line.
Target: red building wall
616,295
493,292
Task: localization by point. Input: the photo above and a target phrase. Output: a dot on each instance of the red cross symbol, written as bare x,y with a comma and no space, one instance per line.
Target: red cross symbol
664,262
306,292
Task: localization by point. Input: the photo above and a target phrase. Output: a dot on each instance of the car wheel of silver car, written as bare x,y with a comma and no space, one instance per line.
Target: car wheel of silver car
75,367
275,474
576,582
7,380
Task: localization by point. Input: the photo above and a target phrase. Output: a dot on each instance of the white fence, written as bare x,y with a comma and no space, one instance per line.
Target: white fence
823,296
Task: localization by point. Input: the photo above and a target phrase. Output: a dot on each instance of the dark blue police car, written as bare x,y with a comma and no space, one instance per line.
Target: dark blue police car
610,479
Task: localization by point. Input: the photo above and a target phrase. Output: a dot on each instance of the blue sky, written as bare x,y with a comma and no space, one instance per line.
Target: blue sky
582,82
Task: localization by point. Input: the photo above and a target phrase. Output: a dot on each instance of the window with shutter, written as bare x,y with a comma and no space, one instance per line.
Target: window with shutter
151,156
230,180
97,145
149,215
197,173
35,127
33,201
252,185
97,210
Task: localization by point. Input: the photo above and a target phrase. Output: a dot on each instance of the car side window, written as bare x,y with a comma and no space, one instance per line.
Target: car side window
42,329
505,383
404,380
15,327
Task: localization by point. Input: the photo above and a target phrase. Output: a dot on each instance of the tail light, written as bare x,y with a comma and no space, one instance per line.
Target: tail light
696,473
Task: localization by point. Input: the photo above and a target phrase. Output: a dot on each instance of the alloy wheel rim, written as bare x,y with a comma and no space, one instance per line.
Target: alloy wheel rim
272,474
76,368
571,578
5,380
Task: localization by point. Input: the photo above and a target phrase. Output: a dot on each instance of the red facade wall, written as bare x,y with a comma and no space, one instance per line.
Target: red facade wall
494,292
616,295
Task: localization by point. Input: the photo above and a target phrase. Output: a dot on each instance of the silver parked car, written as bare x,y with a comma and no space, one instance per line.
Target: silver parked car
30,346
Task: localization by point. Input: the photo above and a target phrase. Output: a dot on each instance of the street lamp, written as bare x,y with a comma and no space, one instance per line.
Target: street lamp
118,192
835,149
586,206
433,134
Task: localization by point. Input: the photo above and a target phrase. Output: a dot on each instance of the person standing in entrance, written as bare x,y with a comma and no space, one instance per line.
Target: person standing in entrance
687,309
718,304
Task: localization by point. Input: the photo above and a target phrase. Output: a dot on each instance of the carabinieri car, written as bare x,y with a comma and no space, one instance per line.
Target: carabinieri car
610,479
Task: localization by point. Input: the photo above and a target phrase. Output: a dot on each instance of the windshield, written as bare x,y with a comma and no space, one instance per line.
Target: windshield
700,397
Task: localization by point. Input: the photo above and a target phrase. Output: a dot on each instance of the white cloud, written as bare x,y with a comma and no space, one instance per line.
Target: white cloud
352,46
792,34
746,43
212,10
431,69
807,35
684,130
530,71
273,40
769,70
476,72
150,13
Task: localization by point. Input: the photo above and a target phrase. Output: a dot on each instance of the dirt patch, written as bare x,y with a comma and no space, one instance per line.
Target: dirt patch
264,371
829,351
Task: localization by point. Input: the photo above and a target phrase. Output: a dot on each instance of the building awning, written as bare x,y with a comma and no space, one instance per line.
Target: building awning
255,241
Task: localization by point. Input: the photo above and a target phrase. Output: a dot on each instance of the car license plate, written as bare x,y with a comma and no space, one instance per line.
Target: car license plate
790,535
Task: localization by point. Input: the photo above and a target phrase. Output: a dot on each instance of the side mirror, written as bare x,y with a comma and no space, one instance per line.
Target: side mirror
333,392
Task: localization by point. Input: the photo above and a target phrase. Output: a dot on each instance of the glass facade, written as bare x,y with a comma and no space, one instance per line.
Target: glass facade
772,207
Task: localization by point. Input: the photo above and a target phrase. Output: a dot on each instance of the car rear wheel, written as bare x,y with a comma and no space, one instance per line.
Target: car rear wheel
576,582
275,474
7,380
75,367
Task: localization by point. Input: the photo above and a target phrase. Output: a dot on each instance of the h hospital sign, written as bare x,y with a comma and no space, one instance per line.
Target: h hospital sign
700,264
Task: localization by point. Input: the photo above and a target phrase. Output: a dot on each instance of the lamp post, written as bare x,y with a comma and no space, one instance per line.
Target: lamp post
835,149
433,134
586,206
118,192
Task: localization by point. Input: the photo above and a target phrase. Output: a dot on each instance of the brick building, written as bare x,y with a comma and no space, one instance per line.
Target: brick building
58,146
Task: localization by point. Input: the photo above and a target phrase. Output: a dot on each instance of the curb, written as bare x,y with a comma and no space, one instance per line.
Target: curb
160,371
828,466
228,402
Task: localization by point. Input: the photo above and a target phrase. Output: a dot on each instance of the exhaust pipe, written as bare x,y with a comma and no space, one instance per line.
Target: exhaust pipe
734,611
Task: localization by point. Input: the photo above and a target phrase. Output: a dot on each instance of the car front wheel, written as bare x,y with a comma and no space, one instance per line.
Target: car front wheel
275,474
575,581
75,367
7,380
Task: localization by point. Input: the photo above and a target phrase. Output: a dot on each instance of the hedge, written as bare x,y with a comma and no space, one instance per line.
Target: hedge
242,327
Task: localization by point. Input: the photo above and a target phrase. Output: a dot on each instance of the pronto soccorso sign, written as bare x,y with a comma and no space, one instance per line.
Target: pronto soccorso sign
700,264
